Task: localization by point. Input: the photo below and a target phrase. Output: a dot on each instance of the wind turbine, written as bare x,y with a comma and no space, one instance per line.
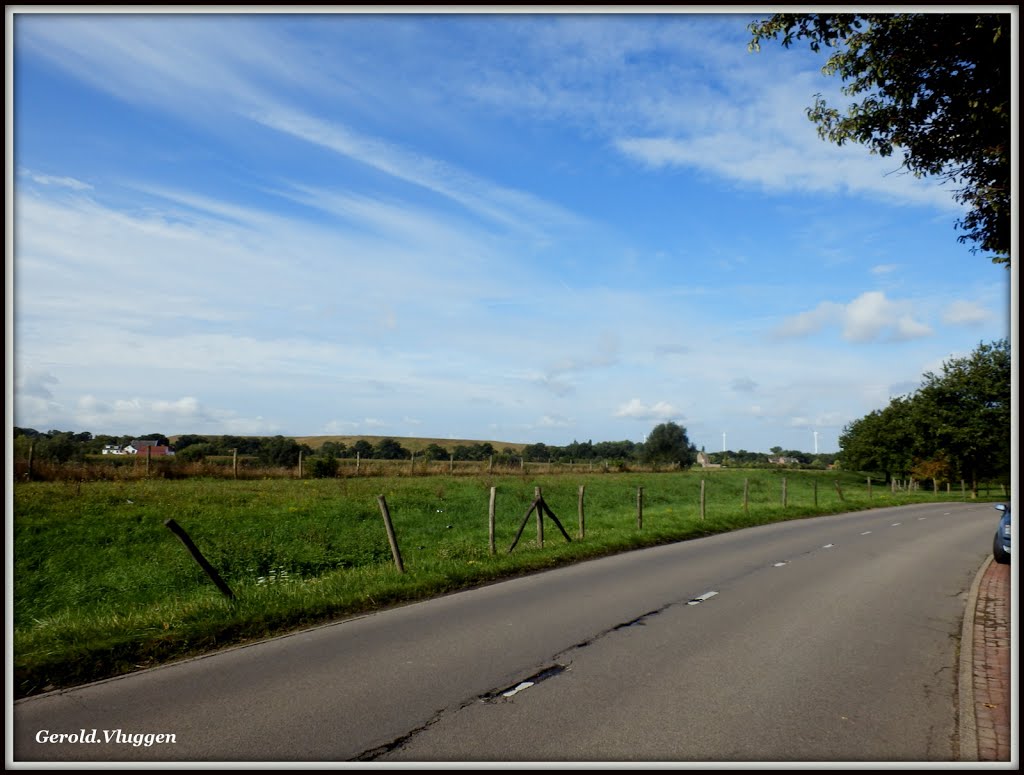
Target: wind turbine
723,441
815,442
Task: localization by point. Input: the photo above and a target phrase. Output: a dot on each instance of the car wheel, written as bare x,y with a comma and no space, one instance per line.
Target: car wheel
1000,554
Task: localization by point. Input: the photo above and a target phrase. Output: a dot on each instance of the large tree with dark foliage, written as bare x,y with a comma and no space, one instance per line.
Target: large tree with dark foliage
668,443
935,86
958,421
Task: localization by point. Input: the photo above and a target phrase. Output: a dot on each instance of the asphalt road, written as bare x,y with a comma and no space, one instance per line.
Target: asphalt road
829,639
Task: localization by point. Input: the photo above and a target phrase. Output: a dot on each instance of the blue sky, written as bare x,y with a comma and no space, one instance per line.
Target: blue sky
516,227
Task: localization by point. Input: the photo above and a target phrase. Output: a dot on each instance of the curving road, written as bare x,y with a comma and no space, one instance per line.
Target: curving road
827,639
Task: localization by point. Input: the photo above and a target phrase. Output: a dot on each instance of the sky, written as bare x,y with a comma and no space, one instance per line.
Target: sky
520,227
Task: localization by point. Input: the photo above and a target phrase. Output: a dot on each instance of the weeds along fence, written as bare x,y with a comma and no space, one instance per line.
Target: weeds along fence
235,467
140,467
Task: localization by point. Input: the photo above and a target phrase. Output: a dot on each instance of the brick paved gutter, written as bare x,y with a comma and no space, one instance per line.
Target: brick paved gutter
985,681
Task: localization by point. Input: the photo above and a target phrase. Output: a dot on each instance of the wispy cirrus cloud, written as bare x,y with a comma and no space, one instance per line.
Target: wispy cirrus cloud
55,180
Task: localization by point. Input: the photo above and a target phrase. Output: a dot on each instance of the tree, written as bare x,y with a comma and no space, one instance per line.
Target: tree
362,449
187,440
957,423
389,449
333,449
324,467
195,452
934,85
966,412
279,451
434,451
536,453
668,443
885,440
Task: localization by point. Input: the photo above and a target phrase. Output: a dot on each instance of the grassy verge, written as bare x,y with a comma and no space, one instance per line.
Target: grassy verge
102,587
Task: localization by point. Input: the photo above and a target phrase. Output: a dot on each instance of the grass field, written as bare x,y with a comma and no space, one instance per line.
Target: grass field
102,586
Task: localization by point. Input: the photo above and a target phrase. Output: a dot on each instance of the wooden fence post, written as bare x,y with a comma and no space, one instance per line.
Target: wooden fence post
179,531
300,464
391,533
451,463
490,522
746,497
815,493
582,530
234,463
869,488
839,492
703,500
540,518
357,462
31,452
639,508
149,455
785,493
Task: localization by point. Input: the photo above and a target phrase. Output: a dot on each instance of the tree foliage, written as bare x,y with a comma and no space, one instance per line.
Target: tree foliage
668,443
956,424
934,85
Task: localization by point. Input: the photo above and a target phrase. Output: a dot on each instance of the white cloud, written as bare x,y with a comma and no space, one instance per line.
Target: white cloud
871,317
554,421
884,268
966,313
636,409
54,180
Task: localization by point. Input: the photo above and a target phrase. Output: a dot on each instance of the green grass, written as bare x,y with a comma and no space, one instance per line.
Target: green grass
102,587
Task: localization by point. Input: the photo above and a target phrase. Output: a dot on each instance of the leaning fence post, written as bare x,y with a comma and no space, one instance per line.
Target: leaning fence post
179,531
490,521
582,531
839,491
391,533
522,527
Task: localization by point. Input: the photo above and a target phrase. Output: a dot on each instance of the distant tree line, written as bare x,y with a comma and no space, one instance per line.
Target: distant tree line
790,457
667,444
956,426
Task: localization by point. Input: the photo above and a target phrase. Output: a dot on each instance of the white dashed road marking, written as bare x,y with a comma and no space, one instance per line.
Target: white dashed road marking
523,685
702,598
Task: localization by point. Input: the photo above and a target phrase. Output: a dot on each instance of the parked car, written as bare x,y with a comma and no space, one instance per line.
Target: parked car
1001,542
